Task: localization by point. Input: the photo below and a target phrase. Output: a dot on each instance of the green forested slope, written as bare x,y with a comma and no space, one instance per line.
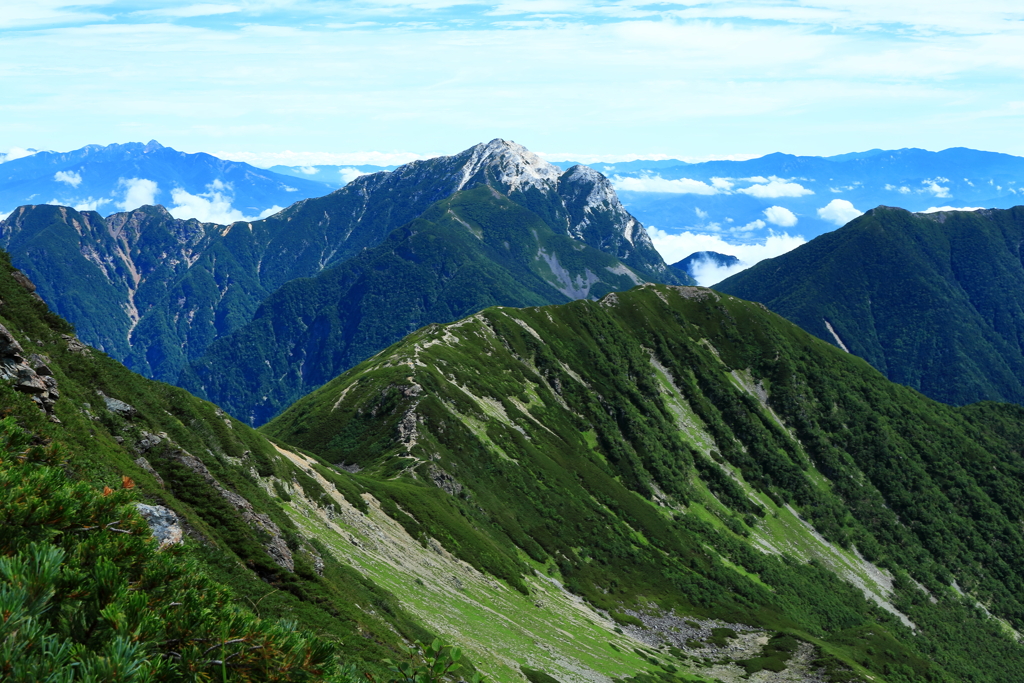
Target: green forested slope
934,301
473,250
663,449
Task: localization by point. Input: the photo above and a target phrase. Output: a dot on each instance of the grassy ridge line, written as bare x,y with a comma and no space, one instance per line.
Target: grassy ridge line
579,438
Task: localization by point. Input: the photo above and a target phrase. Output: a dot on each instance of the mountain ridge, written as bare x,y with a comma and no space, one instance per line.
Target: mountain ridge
232,268
680,406
472,250
931,300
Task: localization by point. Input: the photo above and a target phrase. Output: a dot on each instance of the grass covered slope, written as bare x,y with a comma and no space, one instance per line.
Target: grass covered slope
673,449
473,250
177,451
934,301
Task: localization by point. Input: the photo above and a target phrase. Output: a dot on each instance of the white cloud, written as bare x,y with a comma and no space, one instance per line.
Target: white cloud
675,247
902,189
839,211
349,174
90,204
703,215
933,186
936,209
843,188
780,216
137,192
658,184
212,206
16,153
5,215
745,230
70,177
271,211
309,170
774,188
723,184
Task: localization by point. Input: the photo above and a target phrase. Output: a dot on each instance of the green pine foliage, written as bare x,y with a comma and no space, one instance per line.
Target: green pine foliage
86,595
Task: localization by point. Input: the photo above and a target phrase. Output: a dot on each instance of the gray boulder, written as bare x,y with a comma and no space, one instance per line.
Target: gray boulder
162,522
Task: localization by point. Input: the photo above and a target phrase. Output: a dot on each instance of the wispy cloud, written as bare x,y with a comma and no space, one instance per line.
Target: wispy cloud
434,77
189,11
658,184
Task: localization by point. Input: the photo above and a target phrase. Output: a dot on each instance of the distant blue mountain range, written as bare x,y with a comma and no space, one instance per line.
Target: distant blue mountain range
121,177
818,194
742,201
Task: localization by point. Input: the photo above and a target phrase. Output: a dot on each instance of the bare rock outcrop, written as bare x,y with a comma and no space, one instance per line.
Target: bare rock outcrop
75,344
444,481
144,464
23,280
117,406
162,522
31,376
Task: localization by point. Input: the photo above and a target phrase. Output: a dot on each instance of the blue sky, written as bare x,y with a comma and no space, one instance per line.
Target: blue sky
383,80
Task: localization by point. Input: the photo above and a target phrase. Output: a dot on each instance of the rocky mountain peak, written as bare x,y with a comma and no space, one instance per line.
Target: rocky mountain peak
509,163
